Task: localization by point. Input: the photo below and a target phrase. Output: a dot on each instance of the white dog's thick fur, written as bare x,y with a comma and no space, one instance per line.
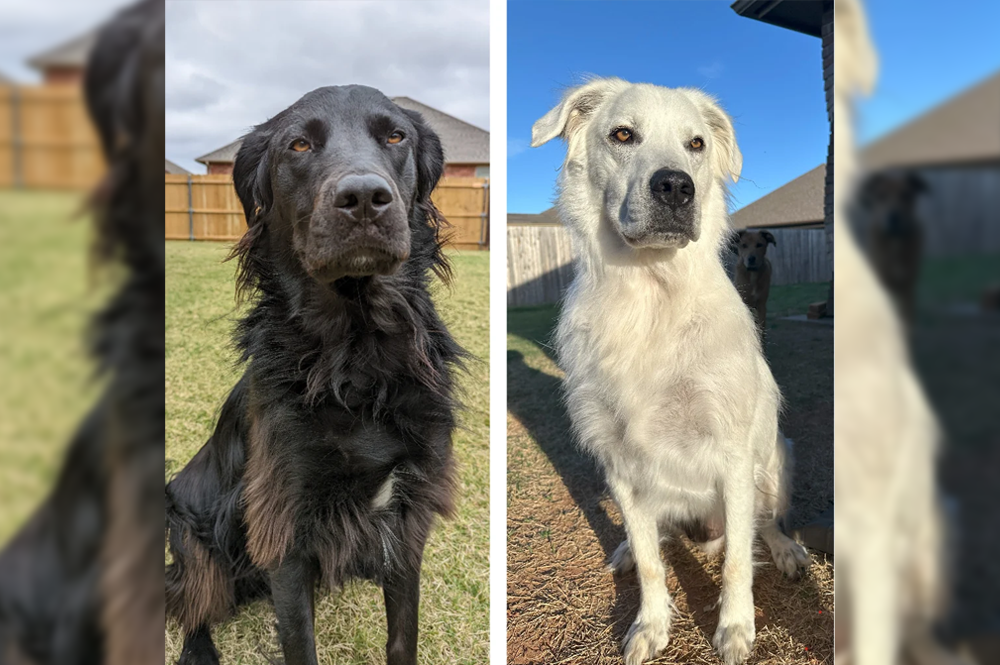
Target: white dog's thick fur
666,382
890,572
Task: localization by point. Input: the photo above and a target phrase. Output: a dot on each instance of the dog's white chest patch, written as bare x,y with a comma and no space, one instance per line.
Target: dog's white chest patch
384,495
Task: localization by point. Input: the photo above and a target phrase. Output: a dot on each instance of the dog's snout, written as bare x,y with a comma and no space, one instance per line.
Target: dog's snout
751,260
672,188
364,196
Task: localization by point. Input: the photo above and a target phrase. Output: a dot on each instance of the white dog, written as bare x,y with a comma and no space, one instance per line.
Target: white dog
666,382
890,572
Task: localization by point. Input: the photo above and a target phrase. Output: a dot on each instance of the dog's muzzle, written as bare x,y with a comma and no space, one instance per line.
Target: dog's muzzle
358,229
671,215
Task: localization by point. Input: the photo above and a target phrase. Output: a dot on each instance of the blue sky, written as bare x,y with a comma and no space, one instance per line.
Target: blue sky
926,56
770,80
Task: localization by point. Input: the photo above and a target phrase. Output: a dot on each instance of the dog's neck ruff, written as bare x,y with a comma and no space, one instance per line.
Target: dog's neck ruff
605,261
337,341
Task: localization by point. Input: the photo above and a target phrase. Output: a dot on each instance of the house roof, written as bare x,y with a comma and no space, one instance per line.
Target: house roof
805,16
962,130
225,154
463,143
793,204
175,169
549,216
71,53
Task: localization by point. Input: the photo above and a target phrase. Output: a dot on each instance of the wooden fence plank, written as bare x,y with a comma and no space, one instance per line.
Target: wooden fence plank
46,139
540,261
214,212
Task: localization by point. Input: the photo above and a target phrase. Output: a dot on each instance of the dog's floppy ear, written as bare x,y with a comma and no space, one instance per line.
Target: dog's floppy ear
252,180
569,114
430,157
768,237
726,156
252,174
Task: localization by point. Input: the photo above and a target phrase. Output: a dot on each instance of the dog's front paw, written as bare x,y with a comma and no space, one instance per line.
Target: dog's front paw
622,561
790,557
733,640
199,657
646,639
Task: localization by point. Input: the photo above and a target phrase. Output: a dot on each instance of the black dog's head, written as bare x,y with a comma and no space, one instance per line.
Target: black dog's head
339,183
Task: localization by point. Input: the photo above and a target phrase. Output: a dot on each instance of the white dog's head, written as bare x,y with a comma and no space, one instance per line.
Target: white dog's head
649,156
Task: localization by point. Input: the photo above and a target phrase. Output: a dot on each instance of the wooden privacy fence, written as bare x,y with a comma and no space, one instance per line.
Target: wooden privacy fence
799,256
205,207
540,261
46,139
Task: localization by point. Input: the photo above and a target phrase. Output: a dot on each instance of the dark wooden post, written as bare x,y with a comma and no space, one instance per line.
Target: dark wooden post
827,35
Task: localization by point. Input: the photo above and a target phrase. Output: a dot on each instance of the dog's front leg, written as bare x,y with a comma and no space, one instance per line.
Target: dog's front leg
735,633
650,632
292,588
402,604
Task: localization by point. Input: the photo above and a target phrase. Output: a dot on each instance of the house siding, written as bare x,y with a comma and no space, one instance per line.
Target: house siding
63,76
460,170
220,168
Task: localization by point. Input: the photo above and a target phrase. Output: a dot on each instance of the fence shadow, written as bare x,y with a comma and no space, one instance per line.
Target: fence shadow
546,289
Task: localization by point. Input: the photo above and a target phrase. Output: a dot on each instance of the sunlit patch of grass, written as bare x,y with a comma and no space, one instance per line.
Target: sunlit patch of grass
48,292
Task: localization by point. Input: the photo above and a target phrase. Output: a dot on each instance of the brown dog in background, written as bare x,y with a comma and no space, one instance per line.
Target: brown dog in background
895,235
753,272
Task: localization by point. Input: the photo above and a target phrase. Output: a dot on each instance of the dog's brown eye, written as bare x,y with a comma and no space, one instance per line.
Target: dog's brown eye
697,143
759,245
623,134
395,137
300,145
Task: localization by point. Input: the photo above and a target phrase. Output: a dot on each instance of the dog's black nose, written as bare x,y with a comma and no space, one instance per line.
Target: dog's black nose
364,196
751,260
672,188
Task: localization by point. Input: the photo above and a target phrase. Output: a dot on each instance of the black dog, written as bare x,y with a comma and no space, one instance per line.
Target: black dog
333,452
80,584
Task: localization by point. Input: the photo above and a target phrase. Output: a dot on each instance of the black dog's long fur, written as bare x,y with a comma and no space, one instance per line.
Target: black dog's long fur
344,385
80,583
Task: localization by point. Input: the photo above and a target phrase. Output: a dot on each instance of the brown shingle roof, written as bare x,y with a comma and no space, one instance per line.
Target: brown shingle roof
962,130
796,203
71,53
175,169
463,143
226,154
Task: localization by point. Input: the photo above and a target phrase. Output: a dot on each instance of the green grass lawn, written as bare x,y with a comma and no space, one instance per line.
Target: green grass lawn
350,626
47,294
792,299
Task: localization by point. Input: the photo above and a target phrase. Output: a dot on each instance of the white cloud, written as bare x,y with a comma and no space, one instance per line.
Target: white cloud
516,147
28,28
712,71
231,65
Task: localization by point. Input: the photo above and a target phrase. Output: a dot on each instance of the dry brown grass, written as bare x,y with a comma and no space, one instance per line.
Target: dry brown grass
564,607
